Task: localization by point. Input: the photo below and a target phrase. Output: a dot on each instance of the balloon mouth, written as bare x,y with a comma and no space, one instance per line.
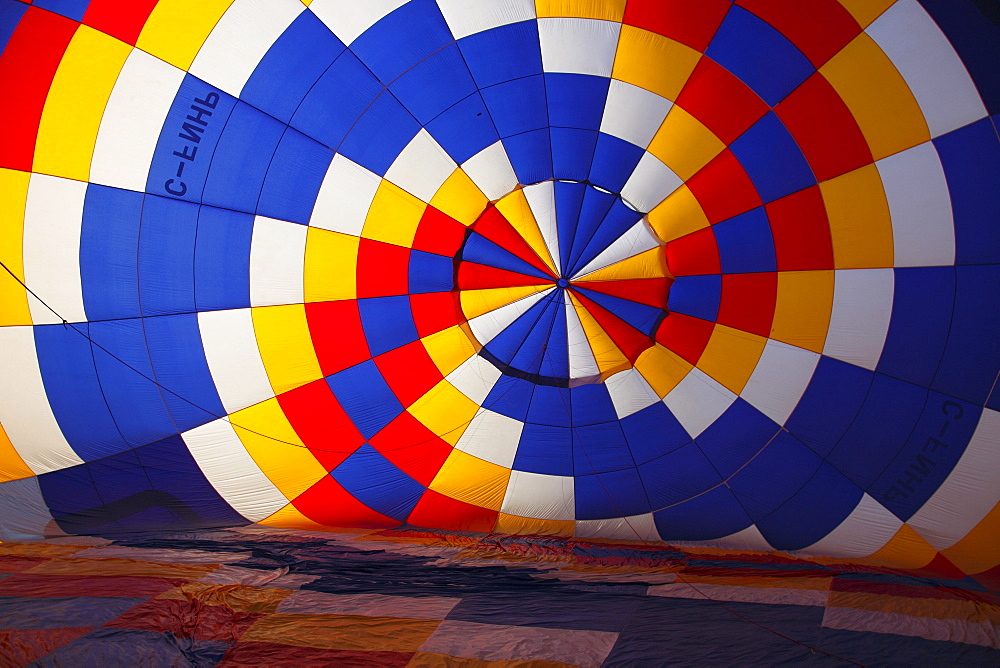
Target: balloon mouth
562,283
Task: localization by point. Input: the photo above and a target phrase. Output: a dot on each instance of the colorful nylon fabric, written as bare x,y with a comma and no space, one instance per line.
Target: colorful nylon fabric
708,272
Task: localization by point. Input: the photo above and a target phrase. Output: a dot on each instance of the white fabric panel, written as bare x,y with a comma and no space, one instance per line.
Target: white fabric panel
923,230
232,471
233,358
862,307
491,171
25,412
638,239
698,401
865,531
650,183
543,497
633,113
579,46
582,364
26,515
488,325
493,437
53,219
630,392
344,197
969,492
421,167
132,120
779,379
474,378
634,527
749,539
541,199
277,262
347,19
467,18
240,39
933,71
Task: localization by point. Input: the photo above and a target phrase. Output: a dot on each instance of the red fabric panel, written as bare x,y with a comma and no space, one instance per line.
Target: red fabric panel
451,514
473,276
123,19
496,228
695,254
19,647
721,101
274,654
649,291
685,335
382,269
629,340
691,23
413,448
435,311
748,302
337,336
409,371
51,585
818,28
801,231
328,503
187,619
723,188
439,233
321,423
13,563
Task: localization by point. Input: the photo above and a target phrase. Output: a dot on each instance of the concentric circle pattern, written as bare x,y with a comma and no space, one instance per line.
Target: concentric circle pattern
707,271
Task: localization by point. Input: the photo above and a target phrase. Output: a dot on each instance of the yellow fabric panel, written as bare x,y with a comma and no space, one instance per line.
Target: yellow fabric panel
677,216
610,359
445,411
12,467
393,216
477,302
977,551
654,62
75,104
877,95
866,11
684,144
802,311
176,29
13,297
662,368
285,346
516,210
907,549
529,526
731,356
860,226
648,264
330,266
269,438
448,348
608,10
342,632
289,517
472,480
460,198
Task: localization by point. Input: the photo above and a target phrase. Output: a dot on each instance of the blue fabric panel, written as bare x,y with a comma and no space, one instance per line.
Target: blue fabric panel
922,302
378,483
745,243
222,259
644,318
481,250
134,399
530,154
109,240
592,404
976,41
519,46
576,100
530,331
510,396
56,613
181,369
940,437
615,494
819,507
614,161
366,397
404,36
291,66
380,135
653,432
10,15
572,152
388,323
612,223
519,604
829,404
430,273
545,449
293,178
464,129
555,362
107,647
759,55
240,163
714,514
736,437
880,429
593,214
71,9
517,106
972,357
772,159
551,406
434,84
528,357
569,199
74,392
337,100
166,256
697,296
774,476
599,448
184,151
